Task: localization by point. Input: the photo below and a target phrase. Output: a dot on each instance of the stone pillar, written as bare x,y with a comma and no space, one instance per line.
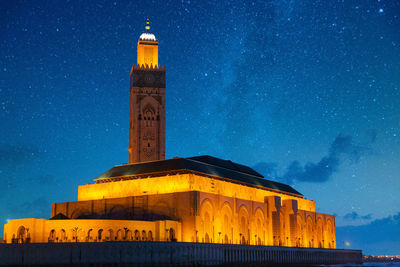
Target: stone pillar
274,207
291,209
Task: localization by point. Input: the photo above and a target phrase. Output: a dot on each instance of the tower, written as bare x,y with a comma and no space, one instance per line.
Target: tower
147,102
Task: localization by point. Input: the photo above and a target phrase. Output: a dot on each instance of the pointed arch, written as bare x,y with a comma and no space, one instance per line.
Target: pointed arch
21,234
207,217
259,226
226,223
310,232
243,224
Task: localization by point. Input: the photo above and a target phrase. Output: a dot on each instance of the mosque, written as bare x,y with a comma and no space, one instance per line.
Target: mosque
197,199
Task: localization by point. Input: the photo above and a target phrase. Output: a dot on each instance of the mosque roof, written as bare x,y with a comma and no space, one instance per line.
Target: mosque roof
218,168
147,36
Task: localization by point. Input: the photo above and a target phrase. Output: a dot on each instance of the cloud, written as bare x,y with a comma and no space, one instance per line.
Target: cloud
342,147
355,216
379,237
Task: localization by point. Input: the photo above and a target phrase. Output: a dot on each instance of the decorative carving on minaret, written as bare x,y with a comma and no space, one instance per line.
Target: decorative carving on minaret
147,103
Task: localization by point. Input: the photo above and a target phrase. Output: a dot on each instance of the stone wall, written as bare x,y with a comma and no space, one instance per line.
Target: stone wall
169,254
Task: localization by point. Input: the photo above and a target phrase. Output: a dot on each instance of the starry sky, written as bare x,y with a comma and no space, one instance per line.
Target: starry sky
306,92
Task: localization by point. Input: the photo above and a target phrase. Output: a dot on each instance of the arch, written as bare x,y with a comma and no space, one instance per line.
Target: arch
226,222
143,235
118,236
319,235
110,235
63,236
52,236
117,212
149,110
259,226
150,236
299,231
137,235
310,232
21,234
80,214
206,238
128,235
172,236
243,224
207,215
89,236
328,233
100,235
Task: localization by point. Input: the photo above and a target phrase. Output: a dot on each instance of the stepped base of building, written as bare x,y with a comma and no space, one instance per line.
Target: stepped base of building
169,254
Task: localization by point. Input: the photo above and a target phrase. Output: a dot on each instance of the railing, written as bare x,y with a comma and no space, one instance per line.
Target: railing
169,253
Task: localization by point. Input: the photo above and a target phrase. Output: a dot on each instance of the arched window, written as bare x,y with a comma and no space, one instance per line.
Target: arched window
110,235
118,235
21,234
52,236
100,235
63,236
89,236
143,235
206,238
128,235
172,234
150,236
137,235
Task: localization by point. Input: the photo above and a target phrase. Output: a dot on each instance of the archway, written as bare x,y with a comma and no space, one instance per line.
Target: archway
137,235
207,216
310,232
128,235
52,236
259,227
172,235
328,233
299,231
143,235
63,236
21,234
118,235
226,224
100,235
243,225
89,237
110,235
206,238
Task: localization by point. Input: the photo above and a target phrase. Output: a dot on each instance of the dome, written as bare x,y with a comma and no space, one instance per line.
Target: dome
147,36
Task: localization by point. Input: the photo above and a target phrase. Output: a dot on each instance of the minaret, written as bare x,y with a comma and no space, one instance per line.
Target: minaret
147,102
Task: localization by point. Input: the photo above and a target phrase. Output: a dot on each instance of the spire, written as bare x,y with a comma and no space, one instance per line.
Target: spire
147,25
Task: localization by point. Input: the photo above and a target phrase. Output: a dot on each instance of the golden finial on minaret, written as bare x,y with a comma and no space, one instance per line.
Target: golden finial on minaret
147,49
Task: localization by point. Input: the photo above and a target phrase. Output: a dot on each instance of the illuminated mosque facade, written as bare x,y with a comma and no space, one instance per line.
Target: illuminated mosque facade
197,199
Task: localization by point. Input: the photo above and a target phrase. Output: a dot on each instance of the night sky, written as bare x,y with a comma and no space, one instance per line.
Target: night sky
306,92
